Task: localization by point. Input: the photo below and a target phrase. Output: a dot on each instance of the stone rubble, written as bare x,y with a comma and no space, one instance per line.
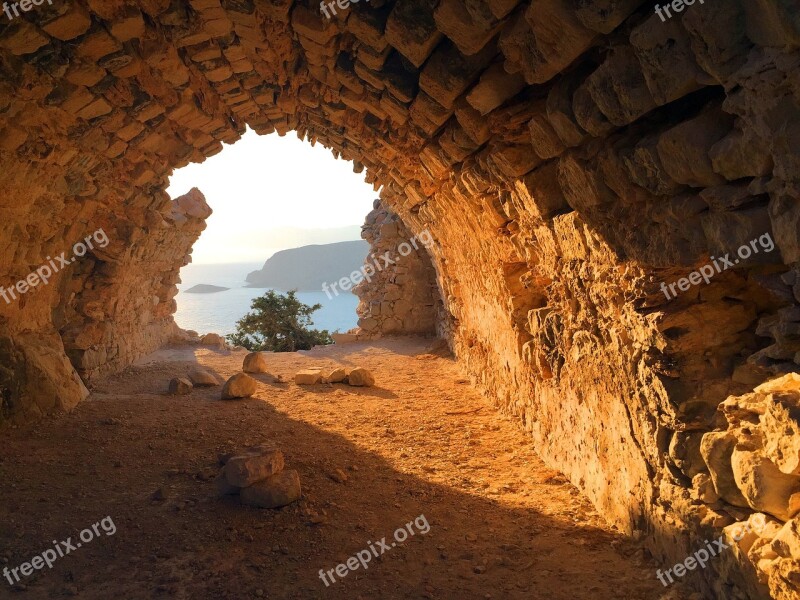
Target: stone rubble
355,376
750,470
258,477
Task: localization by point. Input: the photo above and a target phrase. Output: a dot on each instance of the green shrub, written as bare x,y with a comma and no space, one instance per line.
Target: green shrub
278,323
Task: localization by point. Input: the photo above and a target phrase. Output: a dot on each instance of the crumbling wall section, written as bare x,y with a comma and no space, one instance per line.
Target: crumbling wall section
399,293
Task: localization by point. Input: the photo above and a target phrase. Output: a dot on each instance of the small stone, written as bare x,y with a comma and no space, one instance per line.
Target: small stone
308,377
360,377
239,386
279,490
255,363
247,469
202,378
335,375
338,476
180,386
159,495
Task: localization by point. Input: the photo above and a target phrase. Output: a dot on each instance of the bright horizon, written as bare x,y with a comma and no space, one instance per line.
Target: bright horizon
271,193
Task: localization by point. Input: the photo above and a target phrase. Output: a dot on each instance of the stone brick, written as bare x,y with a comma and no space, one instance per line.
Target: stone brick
130,26
76,21
411,29
619,89
21,38
685,149
448,73
495,87
469,34
552,40
605,16
668,64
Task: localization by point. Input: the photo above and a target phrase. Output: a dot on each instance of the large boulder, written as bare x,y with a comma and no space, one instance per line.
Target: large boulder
273,492
240,385
51,382
255,362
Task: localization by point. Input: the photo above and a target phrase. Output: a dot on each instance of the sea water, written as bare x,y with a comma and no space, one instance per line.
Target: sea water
218,312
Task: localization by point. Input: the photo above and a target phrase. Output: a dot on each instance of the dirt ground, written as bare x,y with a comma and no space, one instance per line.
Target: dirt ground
422,442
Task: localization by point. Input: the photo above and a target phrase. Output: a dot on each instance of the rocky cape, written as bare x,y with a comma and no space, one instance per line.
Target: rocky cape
306,268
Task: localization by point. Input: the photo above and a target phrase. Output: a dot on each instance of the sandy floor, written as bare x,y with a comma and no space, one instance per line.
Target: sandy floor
502,525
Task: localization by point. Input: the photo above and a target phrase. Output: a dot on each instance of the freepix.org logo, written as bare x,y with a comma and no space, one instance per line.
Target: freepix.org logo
25,5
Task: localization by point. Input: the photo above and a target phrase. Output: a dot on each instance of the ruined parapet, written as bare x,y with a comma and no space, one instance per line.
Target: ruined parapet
399,293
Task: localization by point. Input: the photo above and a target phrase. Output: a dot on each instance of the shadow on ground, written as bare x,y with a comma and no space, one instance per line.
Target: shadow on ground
112,454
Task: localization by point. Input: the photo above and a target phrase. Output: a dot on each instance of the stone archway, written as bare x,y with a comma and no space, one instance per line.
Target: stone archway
567,156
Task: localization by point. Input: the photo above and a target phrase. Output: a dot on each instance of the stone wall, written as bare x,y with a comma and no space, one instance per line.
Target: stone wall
567,156
399,295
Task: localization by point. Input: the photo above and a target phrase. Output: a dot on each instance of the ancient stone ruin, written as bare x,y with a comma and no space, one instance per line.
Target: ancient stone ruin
582,167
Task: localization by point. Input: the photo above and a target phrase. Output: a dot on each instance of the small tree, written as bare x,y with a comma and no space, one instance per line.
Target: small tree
279,323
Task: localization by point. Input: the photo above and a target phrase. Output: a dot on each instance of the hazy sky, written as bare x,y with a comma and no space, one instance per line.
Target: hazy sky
269,193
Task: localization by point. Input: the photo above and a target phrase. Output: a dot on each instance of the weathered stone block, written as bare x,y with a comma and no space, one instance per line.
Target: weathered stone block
247,469
411,29
685,150
276,491
619,88
76,21
668,64
496,85
308,377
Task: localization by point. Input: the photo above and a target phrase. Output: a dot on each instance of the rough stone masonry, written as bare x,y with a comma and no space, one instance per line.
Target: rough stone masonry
567,156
